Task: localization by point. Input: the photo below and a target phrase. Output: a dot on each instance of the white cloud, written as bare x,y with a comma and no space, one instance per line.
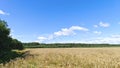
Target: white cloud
102,24
78,28
62,32
3,13
97,32
116,36
69,31
113,39
95,26
42,38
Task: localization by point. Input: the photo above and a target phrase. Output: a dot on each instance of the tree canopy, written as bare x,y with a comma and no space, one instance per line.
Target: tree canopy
6,41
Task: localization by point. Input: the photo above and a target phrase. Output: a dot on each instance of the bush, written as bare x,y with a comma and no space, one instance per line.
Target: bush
15,44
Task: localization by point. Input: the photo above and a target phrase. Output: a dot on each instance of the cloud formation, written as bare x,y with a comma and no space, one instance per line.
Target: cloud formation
3,13
102,24
97,32
95,26
69,31
113,39
62,32
42,38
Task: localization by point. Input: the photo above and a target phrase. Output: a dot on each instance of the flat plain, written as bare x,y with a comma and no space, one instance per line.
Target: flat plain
68,58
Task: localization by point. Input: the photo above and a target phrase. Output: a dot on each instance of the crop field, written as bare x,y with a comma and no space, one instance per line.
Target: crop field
68,58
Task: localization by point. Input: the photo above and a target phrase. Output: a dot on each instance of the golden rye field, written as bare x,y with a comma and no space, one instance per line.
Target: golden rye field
68,58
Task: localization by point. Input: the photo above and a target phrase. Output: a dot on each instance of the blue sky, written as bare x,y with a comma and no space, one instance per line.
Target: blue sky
63,21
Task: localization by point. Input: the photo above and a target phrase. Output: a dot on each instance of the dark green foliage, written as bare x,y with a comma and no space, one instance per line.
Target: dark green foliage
4,36
6,42
15,44
31,43
6,56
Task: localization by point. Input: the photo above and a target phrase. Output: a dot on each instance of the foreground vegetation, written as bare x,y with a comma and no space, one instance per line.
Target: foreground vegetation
68,58
7,44
7,56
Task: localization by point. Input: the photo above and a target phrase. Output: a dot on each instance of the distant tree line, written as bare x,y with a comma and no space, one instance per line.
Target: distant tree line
7,43
31,43
65,45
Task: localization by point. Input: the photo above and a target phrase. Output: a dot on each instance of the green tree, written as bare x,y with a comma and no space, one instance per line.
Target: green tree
15,44
6,42
5,39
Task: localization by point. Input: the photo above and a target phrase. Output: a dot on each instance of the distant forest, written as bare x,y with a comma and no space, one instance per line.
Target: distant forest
65,45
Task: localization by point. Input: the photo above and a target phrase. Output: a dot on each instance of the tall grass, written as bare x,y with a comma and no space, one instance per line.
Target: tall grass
68,58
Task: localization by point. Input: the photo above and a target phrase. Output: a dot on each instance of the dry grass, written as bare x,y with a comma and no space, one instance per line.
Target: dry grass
68,58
